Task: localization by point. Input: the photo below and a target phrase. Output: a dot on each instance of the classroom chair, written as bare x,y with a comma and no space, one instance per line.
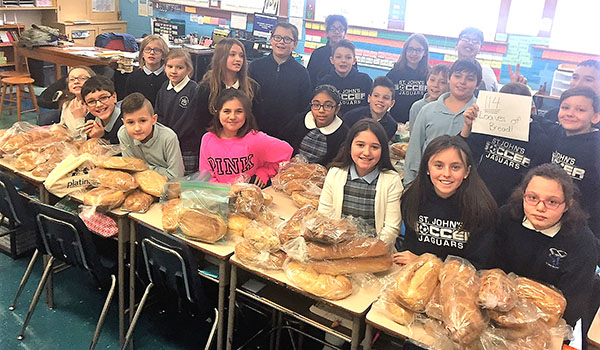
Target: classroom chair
65,238
171,268
13,92
15,219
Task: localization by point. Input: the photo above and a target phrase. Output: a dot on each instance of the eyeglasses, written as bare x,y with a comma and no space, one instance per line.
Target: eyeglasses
337,29
472,41
326,107
414,50
286,39
550,203
102,100
82,78
152,49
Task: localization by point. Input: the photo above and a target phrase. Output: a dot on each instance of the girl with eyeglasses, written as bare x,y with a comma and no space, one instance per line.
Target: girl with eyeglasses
409,76
319,135
150,77
543,236
72,107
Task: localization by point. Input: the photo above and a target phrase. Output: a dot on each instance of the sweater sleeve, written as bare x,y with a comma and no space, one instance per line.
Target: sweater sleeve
480,249
125,143
270,152
204,152
174,159
415,149
393,217
326,198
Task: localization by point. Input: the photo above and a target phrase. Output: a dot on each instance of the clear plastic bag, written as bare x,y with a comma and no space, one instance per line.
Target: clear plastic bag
138,202
524,312
54,155
292,227
322,285
320,228
246,199
21,134
201,225
395,312
498,290
359,247
261,237
104,197
310,194
249,255
98,147
415,283
118,180
298,169
122,163
433,309
550,301
150,182
170,214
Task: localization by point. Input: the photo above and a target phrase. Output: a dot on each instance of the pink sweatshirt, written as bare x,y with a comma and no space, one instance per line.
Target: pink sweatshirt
254,154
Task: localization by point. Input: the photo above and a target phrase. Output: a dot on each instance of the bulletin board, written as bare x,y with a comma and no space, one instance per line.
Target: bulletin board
246,6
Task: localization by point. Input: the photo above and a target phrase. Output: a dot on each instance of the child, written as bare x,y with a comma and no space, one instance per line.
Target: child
409,75
142,137
104,117
319,64
233,148
577,146
353,85
72,106
437,84
543,236
150,77
362,181
320,134
229,69
444,116
172,102
381,99
502,162
448,210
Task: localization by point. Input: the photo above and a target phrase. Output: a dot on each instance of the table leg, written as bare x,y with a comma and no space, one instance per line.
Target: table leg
223,280
123,231
368,337
132,250
58,71
278,333
355,333
231,313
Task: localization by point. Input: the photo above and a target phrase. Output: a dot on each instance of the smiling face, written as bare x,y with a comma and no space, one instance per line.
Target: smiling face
176,70
153,55
468,46
365,152
336,32
101,104
576,115
586,76
232,116
447,170
343,59
380,100
139,124
544,190
77,77
323,117
437,84
282,50
463,85
414,53
235,60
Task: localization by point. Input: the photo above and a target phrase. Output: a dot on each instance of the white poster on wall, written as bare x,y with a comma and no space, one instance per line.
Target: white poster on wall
299,23
103,5
143,8
357,12
296,8
247,6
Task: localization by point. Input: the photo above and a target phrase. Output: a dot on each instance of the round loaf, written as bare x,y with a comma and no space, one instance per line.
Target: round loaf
105,197
236,224
151,182
170,214
261,236
119,180
246,199
292,228
497,292
124,163
415,283
302,198
202,225
247,254
138,201
322,285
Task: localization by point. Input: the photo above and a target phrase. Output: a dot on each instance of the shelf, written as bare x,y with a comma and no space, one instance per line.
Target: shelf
9,64
6,44
28,8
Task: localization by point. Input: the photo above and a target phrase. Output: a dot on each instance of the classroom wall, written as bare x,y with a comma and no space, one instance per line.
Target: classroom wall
537,64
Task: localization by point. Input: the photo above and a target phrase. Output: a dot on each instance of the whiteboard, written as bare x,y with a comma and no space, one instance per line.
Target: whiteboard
247,6
575,26
373,14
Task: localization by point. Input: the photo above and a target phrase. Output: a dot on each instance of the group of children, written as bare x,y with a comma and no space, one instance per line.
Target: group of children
454,181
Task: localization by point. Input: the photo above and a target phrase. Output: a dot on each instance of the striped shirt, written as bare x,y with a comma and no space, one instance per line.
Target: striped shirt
314,146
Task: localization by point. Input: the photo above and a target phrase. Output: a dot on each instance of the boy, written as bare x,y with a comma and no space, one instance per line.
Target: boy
104,117
444,116
381,100
319,64
142,137
284,83
437,84
352,85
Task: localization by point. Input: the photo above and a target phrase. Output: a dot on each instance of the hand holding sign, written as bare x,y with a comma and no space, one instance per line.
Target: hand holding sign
504,115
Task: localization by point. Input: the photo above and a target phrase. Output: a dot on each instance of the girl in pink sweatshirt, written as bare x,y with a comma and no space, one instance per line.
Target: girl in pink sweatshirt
233,150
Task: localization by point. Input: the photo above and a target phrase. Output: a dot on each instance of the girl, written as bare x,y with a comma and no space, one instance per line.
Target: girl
72,107
362,181
229,69
409,75
543,236
320,134
447,209
232,147
172,102
150,77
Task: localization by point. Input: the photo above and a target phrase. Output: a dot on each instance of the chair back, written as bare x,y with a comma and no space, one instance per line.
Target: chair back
170,264
12,205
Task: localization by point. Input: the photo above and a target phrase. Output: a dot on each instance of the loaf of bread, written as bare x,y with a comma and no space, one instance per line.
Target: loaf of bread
302,198
266,216
28,161
414,285
14,142
353,265
295,171
303,185
246,199
399,149
119,180
320,228
550,301
524,312
170,214
123,163
151,182
236,224
322,285
42,170
138,201
535,336
249,255
201,225
459,287
292,228
261,236
497,292
105,197
360,247
433,309
399,314
267,198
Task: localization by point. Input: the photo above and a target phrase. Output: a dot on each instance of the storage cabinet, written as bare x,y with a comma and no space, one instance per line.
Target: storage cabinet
560,81
6,46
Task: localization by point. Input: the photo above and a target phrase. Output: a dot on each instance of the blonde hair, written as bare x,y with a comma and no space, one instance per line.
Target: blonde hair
216,75
147,40
67,95
181,53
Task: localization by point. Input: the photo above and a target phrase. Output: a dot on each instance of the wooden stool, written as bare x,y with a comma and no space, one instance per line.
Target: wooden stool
18,83
12,73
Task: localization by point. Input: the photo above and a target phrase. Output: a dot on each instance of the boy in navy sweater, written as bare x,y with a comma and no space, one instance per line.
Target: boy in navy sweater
354,87
104,117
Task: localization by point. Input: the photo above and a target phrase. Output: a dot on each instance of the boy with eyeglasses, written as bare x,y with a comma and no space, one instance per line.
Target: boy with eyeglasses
284,83
319,64
104,117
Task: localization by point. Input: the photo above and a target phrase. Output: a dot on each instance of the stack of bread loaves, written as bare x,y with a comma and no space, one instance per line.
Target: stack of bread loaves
302,181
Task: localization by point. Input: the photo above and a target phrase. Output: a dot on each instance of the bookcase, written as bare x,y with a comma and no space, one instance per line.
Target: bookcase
9,35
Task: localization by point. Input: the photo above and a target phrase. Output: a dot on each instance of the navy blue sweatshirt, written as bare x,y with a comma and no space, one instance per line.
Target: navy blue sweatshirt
439,233
354,88
285,93
565,261
388,123
319,64
147,84
171,107
410,86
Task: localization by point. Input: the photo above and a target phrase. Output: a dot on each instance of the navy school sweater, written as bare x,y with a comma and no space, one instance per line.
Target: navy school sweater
171,107
354,88
410,87
388,123
146,84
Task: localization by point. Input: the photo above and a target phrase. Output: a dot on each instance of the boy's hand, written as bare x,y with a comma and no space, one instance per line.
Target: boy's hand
78,109
404,257
258,182
515,77
469,115
93,129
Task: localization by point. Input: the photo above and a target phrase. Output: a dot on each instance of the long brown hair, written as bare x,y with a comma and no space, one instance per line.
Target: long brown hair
233,94
67,95
423,66
216,75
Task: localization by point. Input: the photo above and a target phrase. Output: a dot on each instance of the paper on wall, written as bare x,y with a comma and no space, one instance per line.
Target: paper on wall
296,21
238,20
504,115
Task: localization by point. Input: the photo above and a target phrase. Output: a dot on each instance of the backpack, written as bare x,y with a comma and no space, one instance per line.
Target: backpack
39,36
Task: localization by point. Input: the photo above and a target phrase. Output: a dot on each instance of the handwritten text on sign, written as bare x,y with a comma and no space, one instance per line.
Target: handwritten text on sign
504,115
